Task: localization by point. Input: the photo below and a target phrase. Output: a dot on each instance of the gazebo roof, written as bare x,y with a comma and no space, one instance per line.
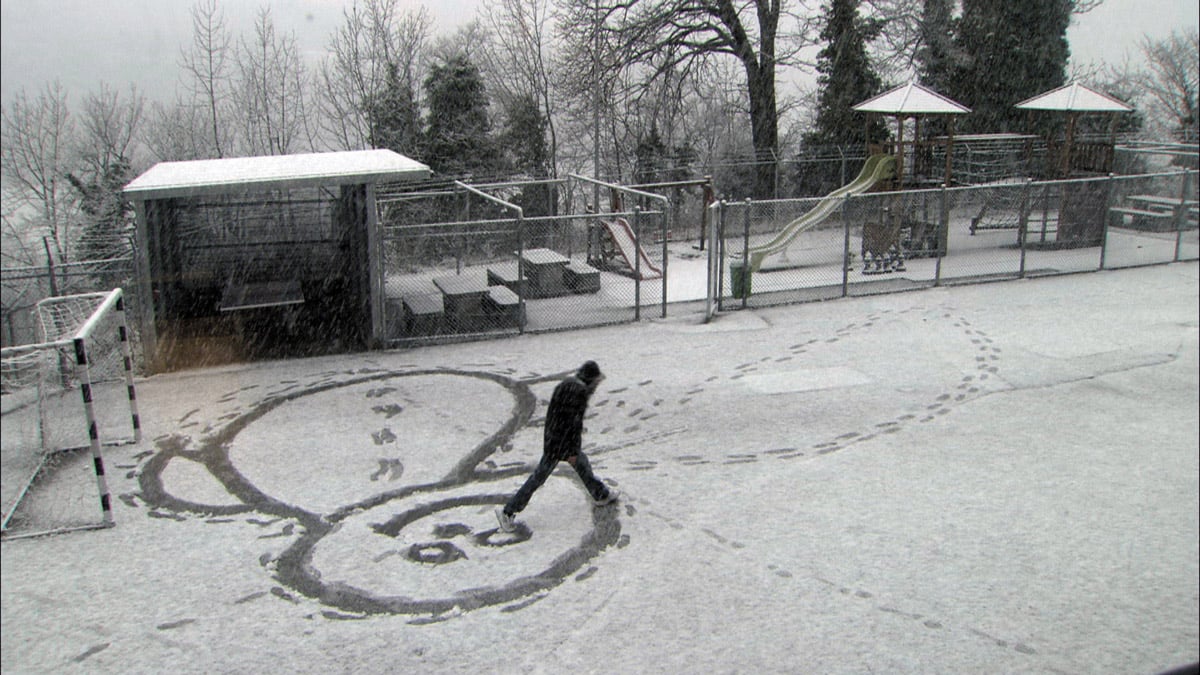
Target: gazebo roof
256,174
1074,97
912,99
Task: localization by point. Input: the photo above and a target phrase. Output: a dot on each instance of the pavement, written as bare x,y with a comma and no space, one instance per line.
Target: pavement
990,478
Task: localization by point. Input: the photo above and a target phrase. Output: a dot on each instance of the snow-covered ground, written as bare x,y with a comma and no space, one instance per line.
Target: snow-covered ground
992,478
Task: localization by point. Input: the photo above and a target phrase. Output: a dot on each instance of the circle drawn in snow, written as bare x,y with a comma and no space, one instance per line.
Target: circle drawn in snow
478,565
349,443
334,545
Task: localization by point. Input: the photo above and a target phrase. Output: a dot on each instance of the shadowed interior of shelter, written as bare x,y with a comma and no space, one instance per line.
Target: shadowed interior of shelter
270,275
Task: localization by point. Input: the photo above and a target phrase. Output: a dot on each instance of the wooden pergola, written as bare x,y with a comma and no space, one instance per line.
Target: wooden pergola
914,101
1073,99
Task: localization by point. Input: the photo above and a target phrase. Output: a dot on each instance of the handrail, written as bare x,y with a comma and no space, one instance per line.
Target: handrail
622,188
492,198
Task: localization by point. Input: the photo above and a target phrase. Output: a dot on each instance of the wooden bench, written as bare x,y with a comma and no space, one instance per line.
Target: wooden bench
580,277
239,295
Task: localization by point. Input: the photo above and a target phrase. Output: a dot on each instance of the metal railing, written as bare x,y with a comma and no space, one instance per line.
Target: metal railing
896,241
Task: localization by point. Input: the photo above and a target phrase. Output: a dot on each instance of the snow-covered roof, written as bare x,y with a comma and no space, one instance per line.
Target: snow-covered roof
1074,97
912,99
252,174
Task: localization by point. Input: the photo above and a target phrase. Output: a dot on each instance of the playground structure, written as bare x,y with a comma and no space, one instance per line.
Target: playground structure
615,247
511,271
877,169
490,259
902,228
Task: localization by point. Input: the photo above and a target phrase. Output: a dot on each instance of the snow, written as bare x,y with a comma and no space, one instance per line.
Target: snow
1076,97
912,99
996,477
173,179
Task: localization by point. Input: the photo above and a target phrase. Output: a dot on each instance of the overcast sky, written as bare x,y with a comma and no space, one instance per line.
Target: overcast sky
84,42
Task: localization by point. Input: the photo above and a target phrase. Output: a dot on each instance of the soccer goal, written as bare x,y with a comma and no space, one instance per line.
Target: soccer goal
62,400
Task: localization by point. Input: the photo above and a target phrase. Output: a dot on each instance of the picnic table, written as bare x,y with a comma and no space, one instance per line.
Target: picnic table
1153,212
463,295
1161,201
544,270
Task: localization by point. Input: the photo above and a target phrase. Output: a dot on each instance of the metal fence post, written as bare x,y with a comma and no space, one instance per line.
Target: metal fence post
1181,211
1108,200
668,213
846,264
637,265
521,273
1023,225
746,257
943,226
719,251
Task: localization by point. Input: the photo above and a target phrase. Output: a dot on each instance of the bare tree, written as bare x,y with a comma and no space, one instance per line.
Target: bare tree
207,64
175,132
1172,80
110,125
38,139
270,96
517,58
673,35
374,38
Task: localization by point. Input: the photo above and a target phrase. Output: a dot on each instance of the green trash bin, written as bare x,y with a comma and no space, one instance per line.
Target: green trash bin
740,276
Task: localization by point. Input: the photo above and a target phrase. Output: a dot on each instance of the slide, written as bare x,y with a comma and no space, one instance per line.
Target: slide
627,246
877,168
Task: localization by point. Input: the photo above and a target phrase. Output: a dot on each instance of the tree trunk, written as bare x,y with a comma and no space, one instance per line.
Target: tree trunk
764,130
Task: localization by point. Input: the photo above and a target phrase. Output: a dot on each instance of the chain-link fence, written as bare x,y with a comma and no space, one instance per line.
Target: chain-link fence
776,252
479,278
22,288
496,272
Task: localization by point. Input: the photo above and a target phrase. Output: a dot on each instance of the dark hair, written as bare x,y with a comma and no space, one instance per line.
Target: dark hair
589,372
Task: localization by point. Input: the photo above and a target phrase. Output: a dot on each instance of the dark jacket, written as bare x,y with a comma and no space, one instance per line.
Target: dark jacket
563,433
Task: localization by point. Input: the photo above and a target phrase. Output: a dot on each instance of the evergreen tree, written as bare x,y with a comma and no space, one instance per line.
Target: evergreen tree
524,137
935,54
392,116
1011,51
846,78
657,163
107,216
458,137
527,152
650,158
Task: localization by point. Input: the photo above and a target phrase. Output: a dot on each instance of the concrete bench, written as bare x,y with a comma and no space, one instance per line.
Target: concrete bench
1142,219
503,306
423,314
504,274
581,278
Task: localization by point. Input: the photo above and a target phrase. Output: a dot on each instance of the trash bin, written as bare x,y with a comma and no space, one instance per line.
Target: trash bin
740,275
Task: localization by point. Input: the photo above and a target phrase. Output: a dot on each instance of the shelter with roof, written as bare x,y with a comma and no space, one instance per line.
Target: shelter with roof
261,255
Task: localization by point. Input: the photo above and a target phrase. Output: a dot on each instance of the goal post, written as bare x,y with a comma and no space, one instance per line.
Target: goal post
62,401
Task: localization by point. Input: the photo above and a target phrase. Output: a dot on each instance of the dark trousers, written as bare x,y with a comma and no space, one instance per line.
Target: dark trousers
544,468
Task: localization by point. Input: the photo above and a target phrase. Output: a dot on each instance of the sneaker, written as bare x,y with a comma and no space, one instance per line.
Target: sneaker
507,523
612,496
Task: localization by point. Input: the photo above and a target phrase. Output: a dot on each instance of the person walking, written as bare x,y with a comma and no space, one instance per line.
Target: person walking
562,439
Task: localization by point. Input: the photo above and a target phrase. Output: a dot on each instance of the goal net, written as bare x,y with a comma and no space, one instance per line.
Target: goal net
62,400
